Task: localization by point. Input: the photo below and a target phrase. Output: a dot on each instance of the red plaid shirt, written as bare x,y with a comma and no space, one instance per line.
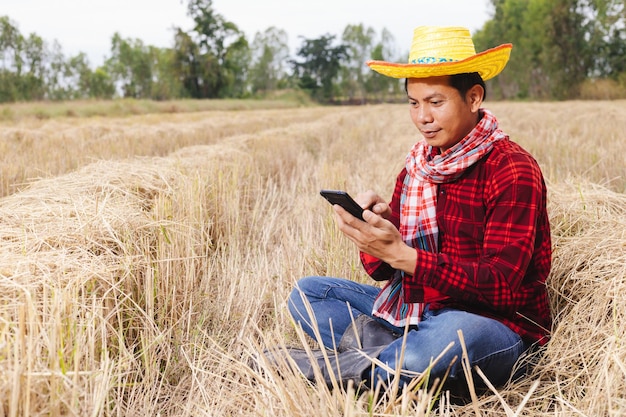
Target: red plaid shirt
494,244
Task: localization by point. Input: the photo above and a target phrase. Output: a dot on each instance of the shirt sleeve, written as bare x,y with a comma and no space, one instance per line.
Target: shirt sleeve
514,200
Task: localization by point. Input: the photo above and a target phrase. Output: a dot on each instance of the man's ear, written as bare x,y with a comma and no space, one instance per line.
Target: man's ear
475,96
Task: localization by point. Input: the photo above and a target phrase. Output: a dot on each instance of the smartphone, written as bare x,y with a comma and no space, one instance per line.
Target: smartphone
344,200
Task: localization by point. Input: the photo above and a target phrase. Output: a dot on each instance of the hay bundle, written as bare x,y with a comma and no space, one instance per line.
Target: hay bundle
582,370
97,271
65,260
586,359
119,284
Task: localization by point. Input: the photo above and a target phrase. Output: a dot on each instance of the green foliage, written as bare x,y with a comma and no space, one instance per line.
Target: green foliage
30,70
140,70
100,84
359,42
563,49
377,86
608,40
235,66
212,57
558,44
319,66
269,53
22,63
130,66
185,63
522,23
166,84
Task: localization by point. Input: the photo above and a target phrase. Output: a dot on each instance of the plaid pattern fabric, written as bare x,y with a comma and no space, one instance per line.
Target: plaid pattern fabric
418,206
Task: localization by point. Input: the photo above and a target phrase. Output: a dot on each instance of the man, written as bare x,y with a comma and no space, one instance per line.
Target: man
463,245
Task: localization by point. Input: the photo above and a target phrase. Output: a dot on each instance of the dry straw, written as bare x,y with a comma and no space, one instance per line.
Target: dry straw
147,286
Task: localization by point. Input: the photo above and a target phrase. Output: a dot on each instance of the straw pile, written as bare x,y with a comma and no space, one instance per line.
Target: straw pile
121,284
88,303
583,368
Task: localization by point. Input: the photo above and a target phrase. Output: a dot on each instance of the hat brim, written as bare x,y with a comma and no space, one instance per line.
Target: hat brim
488,64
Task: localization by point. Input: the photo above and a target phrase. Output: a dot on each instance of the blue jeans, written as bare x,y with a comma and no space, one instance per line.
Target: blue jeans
491,345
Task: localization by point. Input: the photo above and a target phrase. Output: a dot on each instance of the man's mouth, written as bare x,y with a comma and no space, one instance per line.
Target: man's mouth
429,134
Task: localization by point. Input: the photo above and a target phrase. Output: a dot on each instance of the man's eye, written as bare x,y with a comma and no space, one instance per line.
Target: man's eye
435,102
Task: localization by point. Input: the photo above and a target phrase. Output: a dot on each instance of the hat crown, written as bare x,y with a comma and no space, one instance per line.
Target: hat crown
436,44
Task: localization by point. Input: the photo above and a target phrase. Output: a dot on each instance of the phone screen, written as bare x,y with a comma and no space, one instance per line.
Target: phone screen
344,200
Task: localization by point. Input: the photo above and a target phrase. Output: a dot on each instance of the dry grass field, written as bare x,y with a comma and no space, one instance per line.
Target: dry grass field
145,259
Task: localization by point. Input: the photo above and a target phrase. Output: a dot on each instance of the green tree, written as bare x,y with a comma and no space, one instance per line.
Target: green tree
100,84
141,71
607,38
57,86
359,42
33,71
558,44
570,57
210,58
22,64
186,63
269,52
166,85
236,69
130,66
77,74
523,23
72,78
377,86
87,83
319,66
10,45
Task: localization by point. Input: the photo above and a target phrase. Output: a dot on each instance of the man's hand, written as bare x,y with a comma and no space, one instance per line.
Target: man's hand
377,236
372,201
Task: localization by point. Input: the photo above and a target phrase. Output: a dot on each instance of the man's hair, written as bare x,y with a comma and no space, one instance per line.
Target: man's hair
462,83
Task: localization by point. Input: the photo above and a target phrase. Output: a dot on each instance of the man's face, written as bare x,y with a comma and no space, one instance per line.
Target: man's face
440,113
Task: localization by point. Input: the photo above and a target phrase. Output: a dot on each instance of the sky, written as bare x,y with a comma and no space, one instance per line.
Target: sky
88,25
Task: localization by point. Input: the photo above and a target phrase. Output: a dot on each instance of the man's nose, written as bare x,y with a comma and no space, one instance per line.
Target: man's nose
424,115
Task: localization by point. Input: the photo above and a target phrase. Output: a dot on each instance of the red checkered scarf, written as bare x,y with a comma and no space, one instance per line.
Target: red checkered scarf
418,203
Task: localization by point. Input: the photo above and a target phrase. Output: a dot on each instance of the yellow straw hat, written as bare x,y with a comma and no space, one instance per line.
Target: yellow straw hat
438,51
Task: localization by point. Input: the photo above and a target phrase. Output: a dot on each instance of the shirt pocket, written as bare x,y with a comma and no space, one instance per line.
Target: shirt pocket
462,216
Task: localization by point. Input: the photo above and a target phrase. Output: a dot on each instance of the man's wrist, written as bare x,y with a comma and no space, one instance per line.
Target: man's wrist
405,259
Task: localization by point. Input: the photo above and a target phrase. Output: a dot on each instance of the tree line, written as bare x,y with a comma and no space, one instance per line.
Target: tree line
559,47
